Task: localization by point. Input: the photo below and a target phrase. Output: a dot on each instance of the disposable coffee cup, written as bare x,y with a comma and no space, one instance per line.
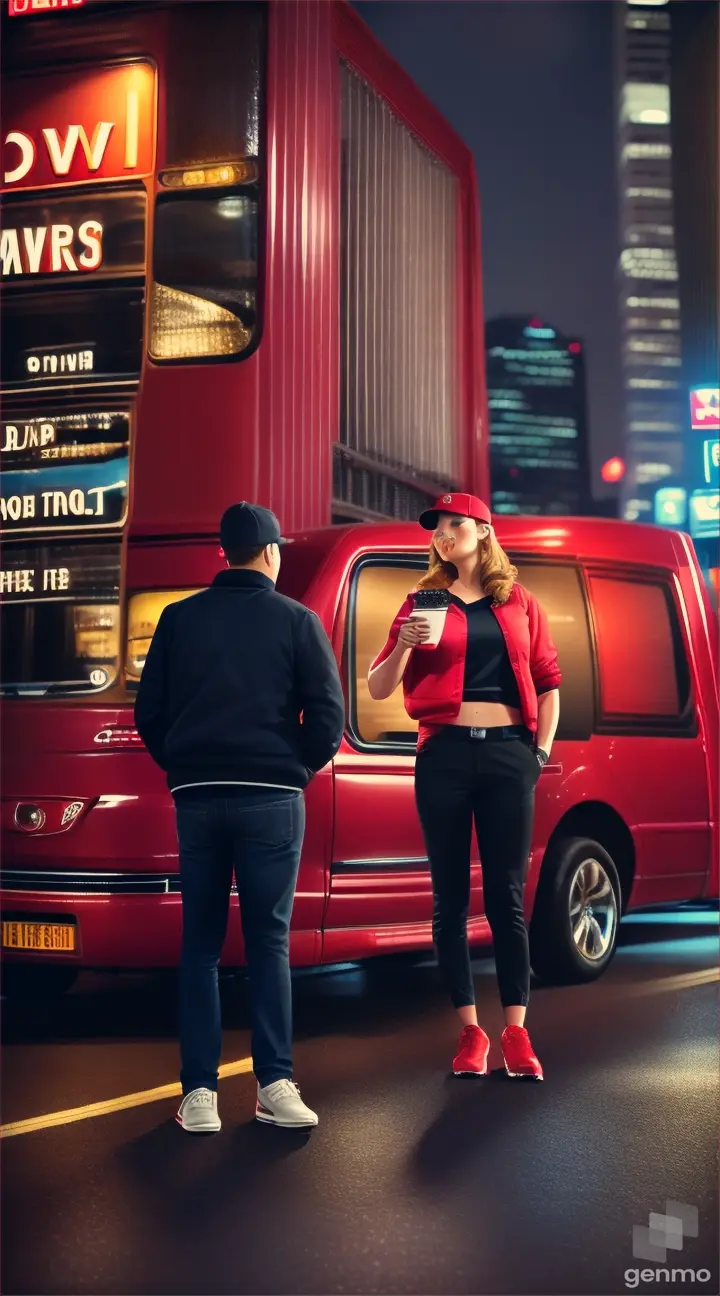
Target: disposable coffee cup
435,618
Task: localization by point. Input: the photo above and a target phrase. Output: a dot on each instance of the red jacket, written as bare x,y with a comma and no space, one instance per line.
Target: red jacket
434,677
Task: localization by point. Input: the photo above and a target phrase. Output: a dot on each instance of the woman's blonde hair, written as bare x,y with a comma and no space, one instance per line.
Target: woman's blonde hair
497,573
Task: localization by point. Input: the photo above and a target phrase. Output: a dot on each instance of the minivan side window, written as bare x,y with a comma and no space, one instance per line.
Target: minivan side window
378,592
643,671
379,589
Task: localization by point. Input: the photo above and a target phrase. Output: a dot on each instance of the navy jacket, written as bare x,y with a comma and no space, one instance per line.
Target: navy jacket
229,673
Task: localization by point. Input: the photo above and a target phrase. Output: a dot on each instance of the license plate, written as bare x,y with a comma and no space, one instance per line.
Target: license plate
38,936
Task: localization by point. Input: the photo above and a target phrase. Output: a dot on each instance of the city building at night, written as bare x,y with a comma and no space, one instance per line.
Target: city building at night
655,414
538,418
695,50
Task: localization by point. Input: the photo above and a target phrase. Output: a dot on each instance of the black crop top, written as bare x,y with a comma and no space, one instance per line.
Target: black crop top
489,676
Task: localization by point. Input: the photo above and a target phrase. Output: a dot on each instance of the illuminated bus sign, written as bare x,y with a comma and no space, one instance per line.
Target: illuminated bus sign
59,498
68,129
71,233
705,409
33,442
35,581
16,8
70,471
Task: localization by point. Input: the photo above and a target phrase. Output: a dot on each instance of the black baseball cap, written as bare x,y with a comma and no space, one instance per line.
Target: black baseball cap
249,526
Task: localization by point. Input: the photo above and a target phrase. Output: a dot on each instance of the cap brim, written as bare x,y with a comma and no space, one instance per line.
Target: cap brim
283,540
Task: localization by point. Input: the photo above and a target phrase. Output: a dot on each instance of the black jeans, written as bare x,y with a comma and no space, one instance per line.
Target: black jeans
459,778
257,835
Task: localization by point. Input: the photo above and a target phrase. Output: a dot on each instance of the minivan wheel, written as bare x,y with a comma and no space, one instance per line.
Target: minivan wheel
574,926
36,981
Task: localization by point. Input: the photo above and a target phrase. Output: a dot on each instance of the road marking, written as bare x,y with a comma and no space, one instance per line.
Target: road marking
242,1067
683,981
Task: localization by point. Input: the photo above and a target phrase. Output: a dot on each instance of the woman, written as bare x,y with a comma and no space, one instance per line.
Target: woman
488,704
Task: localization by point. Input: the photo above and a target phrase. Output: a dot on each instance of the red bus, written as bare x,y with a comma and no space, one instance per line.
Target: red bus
240,259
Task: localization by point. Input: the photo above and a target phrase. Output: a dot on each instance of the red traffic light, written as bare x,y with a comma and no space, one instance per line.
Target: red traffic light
613,470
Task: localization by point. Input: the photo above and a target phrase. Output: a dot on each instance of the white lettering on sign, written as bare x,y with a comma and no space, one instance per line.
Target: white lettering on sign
61,149
16,507
22,250
29,437
77,503
52,579
70,362
17,582
56,578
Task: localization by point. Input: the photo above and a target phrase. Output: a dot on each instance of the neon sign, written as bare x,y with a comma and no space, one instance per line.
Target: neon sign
704,514
705,409
16,8
711,457
671,506
93,125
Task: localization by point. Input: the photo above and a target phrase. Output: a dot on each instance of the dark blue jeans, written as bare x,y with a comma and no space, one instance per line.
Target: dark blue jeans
257,835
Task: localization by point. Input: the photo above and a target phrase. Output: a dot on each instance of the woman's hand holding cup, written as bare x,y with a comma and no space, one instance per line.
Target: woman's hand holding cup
414,631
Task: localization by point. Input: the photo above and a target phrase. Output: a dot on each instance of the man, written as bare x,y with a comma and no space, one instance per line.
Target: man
240,703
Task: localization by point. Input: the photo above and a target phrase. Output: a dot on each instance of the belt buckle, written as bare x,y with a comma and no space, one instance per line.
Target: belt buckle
478,733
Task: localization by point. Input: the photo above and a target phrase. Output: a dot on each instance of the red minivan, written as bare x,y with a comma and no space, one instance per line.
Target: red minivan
627,809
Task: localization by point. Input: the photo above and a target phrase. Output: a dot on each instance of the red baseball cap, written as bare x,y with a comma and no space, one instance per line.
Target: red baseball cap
460,505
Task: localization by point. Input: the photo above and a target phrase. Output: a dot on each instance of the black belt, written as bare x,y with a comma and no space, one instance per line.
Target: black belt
495,733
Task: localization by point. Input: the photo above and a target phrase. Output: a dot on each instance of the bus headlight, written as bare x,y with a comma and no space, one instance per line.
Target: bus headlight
144,612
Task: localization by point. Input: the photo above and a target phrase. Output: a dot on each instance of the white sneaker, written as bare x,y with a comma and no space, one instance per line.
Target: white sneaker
280,1104
198,1113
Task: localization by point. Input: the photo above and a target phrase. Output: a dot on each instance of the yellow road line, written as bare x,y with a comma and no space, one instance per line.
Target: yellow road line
683,981
242,1067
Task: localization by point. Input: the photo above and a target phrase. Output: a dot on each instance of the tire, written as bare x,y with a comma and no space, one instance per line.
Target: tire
576,870
36,981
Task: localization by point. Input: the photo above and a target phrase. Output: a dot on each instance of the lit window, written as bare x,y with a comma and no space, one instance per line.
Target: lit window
656,384
654,303
647,103
645,231
663,347
645,322
651,425
649,263
647,473
646,151
649,192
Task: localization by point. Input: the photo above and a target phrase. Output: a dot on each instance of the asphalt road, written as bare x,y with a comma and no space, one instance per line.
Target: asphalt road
413,1182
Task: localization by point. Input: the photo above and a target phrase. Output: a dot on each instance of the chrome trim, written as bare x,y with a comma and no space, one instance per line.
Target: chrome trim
88,883
400,863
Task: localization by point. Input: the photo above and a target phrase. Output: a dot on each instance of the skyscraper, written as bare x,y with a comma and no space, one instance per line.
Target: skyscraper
538,418
655,415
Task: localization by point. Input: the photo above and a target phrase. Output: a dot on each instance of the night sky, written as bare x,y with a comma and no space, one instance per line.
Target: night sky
529,84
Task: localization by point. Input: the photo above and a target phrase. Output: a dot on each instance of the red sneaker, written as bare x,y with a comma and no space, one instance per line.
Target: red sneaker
518,1053
472,1052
